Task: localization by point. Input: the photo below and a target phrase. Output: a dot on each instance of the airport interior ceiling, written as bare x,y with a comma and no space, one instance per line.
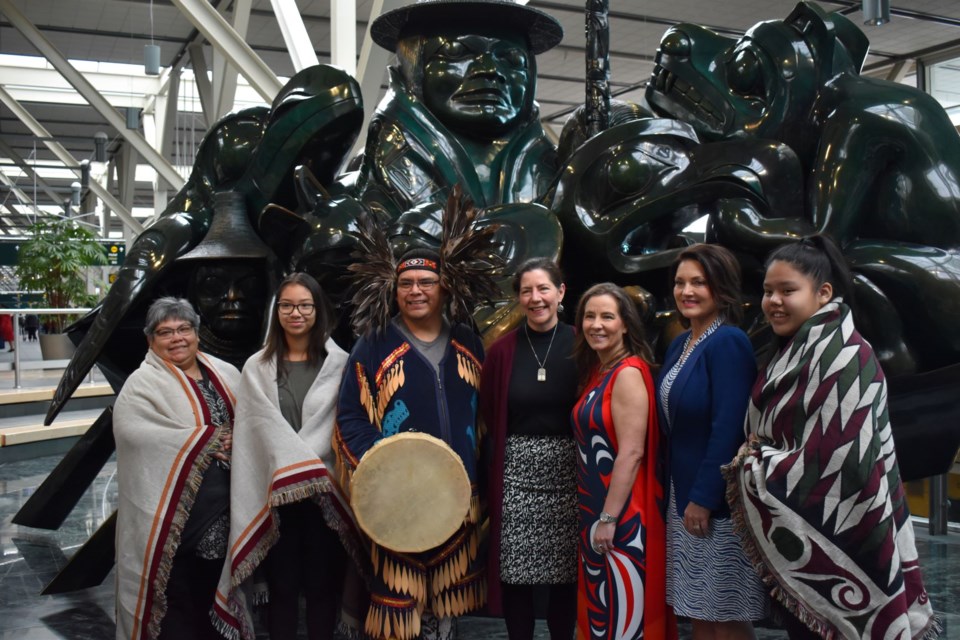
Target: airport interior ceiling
47,47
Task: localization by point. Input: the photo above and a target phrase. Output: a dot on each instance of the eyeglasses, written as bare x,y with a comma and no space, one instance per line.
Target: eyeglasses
183,331
423,285
305,308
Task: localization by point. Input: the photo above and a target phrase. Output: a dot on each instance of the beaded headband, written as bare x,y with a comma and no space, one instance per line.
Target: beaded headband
418,263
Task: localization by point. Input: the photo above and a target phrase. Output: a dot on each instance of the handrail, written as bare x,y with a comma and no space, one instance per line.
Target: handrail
16,313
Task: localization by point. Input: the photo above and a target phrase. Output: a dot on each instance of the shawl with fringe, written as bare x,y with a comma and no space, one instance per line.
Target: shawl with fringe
816,492
273,465
164,445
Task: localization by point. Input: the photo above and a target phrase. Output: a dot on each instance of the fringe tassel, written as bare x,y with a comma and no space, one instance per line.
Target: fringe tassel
191,487
933,630
228,631
400,573
348,628
474,514
732,474
344,464
461,598
393,618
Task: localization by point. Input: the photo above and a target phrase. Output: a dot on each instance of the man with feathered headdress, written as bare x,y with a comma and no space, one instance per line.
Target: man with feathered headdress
419,371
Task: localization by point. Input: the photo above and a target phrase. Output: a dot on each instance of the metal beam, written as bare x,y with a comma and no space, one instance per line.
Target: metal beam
370,68
295,34
90,94
30,84
199,64
17,191
64,156
222,36
126,174
897,71
28,170
225,74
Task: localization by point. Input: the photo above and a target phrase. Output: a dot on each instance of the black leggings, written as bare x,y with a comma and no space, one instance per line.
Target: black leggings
307,558
519,614
190,591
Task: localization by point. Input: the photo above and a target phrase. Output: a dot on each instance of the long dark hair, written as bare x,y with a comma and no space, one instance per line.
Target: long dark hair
818,258
634,341
722,271
322,328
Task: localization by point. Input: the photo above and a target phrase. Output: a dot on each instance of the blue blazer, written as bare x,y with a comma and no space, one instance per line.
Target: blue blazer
708,404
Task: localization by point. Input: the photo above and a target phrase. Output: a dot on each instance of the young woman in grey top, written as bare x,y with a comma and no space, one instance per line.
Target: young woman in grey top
308,557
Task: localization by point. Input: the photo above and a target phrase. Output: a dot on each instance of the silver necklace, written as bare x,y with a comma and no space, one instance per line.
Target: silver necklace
541,371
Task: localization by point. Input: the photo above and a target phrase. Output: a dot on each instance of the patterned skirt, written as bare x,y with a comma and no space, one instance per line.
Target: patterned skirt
711,578
538,536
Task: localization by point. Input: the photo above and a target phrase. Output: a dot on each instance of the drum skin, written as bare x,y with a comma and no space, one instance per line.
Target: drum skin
410,492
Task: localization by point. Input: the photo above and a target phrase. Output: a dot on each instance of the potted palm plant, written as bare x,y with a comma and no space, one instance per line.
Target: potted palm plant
53,261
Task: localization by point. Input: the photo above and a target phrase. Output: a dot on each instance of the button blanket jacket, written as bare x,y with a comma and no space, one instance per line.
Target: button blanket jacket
389,387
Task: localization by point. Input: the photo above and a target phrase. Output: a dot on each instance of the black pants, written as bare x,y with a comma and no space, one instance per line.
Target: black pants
795,629
190,592
518,610
309,559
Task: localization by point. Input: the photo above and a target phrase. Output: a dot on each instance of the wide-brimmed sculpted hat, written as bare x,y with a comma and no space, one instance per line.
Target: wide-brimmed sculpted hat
231,235
543,31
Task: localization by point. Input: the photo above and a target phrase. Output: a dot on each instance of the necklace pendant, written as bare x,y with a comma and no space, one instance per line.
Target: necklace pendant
541,375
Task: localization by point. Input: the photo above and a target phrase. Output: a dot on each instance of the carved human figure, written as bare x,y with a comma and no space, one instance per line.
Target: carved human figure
460,110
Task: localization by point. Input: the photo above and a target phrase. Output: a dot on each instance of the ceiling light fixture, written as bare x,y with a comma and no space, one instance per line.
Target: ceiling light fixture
876,12
151,52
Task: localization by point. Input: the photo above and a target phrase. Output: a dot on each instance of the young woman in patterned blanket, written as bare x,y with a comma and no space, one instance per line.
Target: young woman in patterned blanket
816,491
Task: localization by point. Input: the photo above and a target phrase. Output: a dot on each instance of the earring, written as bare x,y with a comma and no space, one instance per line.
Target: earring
560,308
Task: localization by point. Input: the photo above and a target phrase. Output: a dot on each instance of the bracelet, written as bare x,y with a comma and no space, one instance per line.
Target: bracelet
606,518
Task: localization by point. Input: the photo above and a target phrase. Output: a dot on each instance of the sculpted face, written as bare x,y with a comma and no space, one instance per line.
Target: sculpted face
477,84
230,298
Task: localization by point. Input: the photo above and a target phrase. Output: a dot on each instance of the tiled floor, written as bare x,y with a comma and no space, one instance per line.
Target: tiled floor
29,559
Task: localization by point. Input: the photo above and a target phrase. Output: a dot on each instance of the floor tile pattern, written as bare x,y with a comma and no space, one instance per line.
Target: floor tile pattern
30,558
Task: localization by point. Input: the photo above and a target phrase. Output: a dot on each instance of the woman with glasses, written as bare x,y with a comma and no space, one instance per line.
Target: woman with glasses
287,510
172,424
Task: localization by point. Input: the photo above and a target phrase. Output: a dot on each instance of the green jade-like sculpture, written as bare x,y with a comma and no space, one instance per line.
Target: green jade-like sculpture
460,110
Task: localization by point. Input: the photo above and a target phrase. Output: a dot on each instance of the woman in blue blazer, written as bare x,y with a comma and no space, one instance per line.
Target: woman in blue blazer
702,394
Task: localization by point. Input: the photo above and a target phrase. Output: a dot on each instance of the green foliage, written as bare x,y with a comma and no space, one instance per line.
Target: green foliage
53,262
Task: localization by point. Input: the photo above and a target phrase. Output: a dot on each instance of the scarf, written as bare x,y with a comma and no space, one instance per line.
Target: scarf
274,465
165,441
816,492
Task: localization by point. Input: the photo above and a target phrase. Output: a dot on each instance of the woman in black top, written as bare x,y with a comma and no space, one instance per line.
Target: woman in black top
528,388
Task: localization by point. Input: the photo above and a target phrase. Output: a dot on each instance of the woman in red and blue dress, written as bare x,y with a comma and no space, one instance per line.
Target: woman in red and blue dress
622,568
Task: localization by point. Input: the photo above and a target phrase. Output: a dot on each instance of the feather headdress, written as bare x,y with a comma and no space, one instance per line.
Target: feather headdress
374,275
469,262
469,258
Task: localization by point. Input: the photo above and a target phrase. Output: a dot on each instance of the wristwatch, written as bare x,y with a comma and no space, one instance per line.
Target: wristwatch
606,518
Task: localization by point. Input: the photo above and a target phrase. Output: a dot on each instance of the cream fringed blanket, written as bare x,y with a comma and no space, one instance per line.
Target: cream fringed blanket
164,445
273,465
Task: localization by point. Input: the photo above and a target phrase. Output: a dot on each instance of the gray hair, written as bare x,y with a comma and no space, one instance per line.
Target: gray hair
170,308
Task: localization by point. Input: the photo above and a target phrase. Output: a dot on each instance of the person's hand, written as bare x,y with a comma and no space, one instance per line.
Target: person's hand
696,520
226,442
603,537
